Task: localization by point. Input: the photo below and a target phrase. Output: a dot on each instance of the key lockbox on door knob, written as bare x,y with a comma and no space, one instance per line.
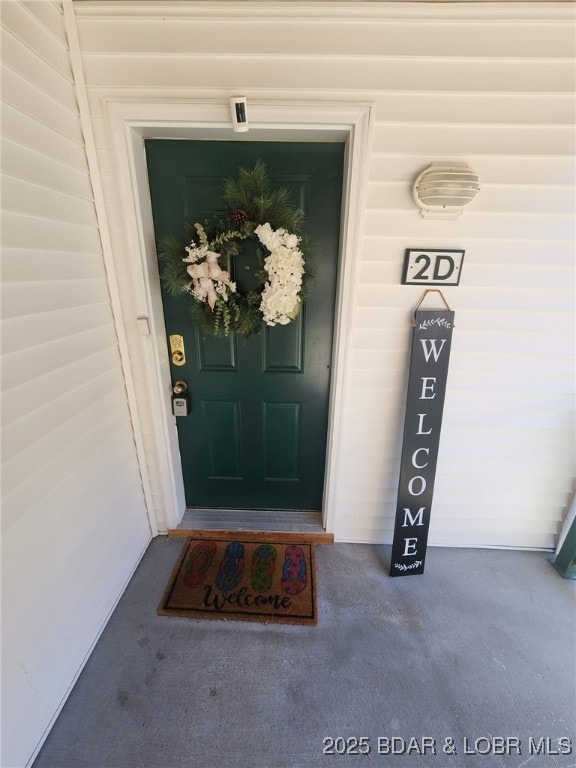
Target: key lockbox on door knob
180,399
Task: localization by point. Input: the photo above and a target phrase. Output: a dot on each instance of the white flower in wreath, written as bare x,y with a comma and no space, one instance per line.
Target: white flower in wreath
285,269
209,280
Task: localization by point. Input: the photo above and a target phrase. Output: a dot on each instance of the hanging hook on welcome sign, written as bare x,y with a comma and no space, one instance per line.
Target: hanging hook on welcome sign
427,291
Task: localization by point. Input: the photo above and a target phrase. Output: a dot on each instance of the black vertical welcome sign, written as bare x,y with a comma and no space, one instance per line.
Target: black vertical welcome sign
431,341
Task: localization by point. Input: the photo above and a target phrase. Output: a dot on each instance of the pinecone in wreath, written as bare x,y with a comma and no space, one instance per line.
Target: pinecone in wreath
239,216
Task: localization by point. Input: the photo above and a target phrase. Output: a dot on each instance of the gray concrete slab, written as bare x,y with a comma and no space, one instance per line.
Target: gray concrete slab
446,666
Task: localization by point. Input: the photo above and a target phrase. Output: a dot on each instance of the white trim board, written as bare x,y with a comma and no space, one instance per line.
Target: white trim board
130,123
349,11
100,208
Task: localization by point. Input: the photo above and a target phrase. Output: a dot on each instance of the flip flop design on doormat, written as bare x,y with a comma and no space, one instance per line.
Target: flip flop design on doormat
243,578
231,567
199,562
294,577
263,565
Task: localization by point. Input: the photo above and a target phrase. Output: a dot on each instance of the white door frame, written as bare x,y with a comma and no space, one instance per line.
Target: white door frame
130,123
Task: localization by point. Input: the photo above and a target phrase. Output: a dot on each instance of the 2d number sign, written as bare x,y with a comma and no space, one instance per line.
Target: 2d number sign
432,267
431,342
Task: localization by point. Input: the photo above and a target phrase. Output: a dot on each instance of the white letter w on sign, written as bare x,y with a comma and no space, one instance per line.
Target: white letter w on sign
429,347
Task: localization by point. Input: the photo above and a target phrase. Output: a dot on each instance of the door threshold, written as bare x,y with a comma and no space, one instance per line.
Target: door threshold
301,525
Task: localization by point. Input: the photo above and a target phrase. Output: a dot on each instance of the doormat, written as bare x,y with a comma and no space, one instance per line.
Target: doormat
231,578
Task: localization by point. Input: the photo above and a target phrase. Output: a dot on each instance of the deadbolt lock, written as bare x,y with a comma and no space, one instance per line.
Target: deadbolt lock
177,349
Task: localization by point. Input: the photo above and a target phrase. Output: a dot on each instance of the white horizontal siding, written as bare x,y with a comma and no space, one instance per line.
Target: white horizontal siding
21,93
489,254
47,80
370,74
31,200
546,227
518,169
73,516
52,462
438,139
485,274
21,138
29,162
537,199
323,36
22,21
488,84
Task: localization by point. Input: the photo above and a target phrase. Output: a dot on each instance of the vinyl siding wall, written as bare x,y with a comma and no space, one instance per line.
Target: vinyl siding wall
74,523
487,84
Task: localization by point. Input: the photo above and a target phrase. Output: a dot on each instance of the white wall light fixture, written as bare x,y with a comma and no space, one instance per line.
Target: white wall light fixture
443,190
239,114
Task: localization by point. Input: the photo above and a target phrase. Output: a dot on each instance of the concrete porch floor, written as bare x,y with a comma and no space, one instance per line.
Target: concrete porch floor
479,647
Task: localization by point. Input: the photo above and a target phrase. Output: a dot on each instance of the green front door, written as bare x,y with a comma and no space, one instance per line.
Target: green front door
255,437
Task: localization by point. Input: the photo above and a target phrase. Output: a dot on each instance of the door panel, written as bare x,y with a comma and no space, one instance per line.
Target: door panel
283,346
281,457
216,354
222,430
256,434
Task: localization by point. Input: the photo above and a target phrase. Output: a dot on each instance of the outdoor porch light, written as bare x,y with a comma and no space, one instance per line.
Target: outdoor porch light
443,190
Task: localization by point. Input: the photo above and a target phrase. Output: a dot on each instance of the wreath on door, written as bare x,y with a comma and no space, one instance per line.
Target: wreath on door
255,212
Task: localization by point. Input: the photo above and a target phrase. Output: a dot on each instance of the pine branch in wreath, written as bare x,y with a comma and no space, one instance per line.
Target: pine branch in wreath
240,193
220,232
249,319
173,273
244,317
251,194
